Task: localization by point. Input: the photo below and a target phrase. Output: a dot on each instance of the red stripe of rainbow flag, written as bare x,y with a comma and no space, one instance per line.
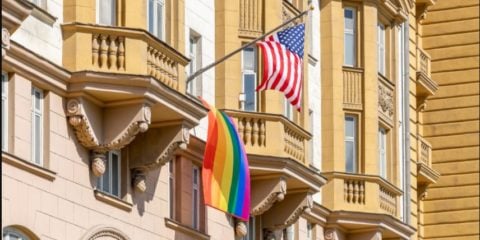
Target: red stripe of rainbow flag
225,173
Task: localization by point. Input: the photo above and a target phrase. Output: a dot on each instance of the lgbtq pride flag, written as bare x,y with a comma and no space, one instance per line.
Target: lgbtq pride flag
225,174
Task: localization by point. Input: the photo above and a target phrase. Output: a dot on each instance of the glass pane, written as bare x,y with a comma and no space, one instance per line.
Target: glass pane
37,139
115,175
350,156
349,49
171,192
195,176
349,19
249,90
251,229
159,21
150,16
249,59
107,10
195,208
106,178
350,127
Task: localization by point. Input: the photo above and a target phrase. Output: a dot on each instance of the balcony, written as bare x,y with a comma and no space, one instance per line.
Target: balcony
425,173
121,50
271,135
425,85
363,193
352,88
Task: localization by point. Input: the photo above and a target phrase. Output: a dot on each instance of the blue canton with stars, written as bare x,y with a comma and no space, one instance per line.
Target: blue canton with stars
293,38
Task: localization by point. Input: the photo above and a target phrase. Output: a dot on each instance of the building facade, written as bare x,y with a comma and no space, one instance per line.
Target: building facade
103,137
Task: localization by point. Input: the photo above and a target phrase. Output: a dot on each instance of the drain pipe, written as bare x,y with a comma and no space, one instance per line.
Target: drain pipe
406,125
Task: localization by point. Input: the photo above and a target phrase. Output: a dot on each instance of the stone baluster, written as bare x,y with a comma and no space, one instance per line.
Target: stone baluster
248,131
103,51
112,53
240,127
255,132
262,137
95,47
121,53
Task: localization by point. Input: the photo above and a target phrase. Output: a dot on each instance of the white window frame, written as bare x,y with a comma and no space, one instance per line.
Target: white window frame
171,183
381,63
250,229
354,140
195,54
37,112
114,13
10,231
382,152
40,3
309,231
110,175
289,232
250,72
4,111
196,204
350,32
288,109
155,21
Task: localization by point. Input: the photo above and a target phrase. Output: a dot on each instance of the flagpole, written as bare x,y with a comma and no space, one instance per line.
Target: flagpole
202,70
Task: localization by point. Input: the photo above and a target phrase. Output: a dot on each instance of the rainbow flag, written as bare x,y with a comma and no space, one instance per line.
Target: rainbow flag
225,174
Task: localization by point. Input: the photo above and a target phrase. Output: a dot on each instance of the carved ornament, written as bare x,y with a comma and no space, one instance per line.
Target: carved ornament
241,229
5,40
98,164
385,101
275,196
307,207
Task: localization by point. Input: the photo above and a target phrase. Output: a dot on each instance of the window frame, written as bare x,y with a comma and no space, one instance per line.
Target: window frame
196,204
110,175
161,35
354,139
195,55
5,108
171,185
250,229
250,72
37,112
309,233
114,13
381,48
40,3
383,162
353,32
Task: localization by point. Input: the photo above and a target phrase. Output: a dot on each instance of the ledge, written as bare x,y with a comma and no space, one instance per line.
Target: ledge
42,15
172,224
425,85
28,166
426,174
112,200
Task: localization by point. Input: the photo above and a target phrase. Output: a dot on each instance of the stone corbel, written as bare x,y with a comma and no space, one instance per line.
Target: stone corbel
157,146
287,212
5,41
266,192
104,129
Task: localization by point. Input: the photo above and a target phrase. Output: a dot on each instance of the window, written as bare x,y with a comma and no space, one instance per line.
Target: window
40,3
289,232
4,111
251,229
10,233
155,21
110,181
196,198
37,126
106,12
195,53
351,144
288,109
349,37
382,152
171,186
309,231
381,48
249,79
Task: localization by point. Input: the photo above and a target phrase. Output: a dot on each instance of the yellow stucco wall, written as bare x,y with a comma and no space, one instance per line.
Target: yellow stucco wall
451,120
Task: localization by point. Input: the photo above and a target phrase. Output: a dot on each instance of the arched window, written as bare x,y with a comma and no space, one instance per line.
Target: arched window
10,233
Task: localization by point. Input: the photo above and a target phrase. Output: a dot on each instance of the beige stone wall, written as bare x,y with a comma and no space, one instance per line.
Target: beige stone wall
451,120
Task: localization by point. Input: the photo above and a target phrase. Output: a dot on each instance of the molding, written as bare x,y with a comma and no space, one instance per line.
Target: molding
426,175
112,200
14,12
318,215
42,15
100,231
425,85
275,190
5,41
288,211
28,166
366,177
177,226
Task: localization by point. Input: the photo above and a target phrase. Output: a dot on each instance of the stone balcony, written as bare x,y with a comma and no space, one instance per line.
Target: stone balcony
425,85
121,50
271,135
362,193
426,175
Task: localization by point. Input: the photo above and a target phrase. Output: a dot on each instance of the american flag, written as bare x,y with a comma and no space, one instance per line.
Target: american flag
282,54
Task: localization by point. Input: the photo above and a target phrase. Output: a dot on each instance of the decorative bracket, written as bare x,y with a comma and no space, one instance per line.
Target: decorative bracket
287,212
266,192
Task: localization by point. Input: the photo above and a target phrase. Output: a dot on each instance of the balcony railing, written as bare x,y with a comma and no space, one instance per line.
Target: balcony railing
365,193
121,50
424,152
352,88
271,134
423,62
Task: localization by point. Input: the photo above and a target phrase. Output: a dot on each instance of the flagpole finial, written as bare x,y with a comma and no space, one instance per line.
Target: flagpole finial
311,7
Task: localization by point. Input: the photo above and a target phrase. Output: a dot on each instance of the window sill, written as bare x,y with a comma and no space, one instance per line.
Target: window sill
42,14
172,224
28,166
112,200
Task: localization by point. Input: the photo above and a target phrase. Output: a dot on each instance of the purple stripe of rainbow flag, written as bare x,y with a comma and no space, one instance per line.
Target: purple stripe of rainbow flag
225,173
